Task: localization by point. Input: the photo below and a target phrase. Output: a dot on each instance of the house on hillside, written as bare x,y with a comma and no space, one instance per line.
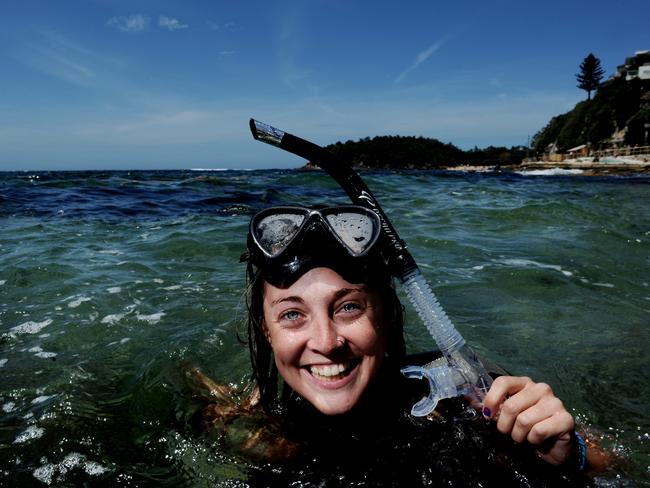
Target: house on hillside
579,151
638,66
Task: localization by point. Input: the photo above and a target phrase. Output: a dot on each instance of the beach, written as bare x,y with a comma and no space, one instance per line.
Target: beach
611,166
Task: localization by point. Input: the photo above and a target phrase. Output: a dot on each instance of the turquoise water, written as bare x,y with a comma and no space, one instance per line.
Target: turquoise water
111,283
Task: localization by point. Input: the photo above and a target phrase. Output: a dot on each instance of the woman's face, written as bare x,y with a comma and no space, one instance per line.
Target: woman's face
326,336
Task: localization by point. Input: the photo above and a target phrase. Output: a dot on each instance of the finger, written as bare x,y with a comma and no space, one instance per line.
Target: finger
518,403
502,387
560,425
527,422
553,438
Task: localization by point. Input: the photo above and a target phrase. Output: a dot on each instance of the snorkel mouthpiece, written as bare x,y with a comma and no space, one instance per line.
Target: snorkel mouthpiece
459,371
442,384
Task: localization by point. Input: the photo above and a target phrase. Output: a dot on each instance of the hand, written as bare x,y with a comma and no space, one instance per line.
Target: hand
529,411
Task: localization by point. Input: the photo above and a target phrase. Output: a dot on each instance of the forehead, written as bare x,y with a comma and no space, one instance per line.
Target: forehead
314,281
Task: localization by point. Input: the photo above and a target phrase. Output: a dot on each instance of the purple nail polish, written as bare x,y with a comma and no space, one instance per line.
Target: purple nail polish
487,412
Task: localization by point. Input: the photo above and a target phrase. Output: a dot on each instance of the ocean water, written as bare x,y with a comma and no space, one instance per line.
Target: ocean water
112,283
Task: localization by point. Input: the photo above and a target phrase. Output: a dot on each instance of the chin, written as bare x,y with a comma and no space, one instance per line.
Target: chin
334,407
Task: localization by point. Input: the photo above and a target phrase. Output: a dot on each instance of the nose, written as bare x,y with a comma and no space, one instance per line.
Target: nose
324,335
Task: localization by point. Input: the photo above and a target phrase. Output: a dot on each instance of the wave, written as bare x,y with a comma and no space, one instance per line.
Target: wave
550,172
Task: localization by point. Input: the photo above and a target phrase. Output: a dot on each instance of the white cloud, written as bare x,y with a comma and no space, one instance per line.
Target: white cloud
419,59
129,23
228,26
171,23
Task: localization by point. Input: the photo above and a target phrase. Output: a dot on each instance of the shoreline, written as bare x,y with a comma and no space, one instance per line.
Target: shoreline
580,167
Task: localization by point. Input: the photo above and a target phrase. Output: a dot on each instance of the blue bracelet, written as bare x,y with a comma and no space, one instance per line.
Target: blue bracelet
581,461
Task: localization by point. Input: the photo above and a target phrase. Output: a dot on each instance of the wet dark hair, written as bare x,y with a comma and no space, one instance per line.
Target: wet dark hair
274,393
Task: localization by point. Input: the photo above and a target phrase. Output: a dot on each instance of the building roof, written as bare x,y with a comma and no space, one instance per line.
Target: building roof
577,148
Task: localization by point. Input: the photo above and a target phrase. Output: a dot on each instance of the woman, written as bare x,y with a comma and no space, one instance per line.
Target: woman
325,333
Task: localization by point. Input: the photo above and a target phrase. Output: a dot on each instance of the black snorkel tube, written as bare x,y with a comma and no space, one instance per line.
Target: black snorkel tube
458,371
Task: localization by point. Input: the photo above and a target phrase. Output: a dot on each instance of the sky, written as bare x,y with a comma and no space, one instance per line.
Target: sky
171,84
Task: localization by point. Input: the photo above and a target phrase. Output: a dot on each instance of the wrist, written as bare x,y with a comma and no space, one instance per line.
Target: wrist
578,459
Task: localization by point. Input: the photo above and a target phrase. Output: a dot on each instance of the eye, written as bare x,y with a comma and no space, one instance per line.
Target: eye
290,315
350,308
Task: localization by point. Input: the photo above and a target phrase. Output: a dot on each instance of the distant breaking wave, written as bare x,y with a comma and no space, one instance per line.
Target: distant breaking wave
550,172
221,169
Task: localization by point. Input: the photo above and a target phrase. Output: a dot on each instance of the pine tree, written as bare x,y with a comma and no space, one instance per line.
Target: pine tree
590,74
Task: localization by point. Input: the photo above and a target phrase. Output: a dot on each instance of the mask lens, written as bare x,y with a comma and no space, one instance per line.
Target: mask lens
274,232
357,231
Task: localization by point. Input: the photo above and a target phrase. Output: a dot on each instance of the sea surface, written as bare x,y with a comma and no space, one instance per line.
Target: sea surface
112,283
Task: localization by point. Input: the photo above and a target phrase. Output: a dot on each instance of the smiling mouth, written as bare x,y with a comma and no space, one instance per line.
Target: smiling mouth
333,372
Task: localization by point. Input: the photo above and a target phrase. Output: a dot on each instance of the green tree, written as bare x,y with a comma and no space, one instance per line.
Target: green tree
591,74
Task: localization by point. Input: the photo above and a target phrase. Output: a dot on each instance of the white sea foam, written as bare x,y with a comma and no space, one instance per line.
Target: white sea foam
78,301
603,285
47,472
3,361
114,252
8,407
114,289
29,327
41,399
172,287
93,469
120,342
45,355
214,169
32,432
2,282
153,318
158,280
112,319
551,172
527,263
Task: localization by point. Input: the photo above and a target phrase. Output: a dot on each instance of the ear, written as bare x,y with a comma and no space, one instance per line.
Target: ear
265,330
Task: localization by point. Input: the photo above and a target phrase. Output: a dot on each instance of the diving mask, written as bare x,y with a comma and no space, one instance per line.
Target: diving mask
285,242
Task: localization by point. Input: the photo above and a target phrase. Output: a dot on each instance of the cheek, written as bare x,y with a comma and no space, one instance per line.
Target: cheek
286,346
369,339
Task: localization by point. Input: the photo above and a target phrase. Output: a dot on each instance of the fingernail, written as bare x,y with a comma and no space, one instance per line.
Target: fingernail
487,412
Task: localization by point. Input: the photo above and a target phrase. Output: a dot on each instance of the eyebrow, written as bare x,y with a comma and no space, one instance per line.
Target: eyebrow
288,299
346,291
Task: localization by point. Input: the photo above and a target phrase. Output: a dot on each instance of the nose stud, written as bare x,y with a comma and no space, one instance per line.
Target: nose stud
340,341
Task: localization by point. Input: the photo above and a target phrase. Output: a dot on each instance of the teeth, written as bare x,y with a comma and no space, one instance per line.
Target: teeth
328,371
